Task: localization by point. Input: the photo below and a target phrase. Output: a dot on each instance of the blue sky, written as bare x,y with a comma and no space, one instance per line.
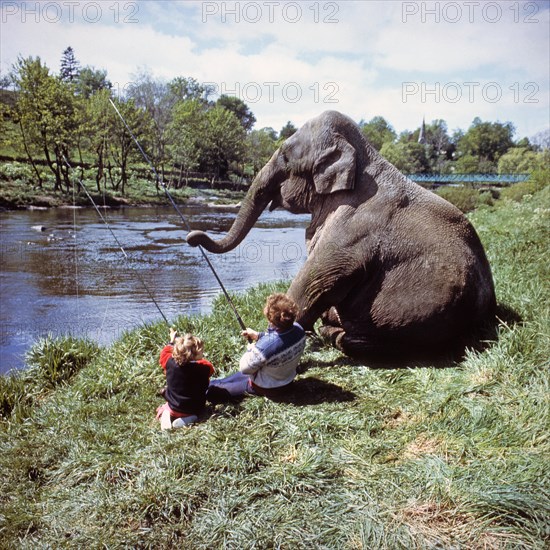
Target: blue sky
404,60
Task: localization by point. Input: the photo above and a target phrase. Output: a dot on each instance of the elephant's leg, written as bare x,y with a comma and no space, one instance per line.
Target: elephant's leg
331,327
331,275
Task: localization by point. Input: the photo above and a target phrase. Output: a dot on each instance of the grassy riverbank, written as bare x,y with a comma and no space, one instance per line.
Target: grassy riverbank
17,191
359,457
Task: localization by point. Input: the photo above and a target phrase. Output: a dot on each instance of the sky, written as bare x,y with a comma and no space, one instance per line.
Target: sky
290,61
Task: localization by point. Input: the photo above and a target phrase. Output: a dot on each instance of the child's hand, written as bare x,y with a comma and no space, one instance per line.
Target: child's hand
173,334
249,334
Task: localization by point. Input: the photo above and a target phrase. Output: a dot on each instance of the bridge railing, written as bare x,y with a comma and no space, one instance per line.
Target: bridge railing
472,179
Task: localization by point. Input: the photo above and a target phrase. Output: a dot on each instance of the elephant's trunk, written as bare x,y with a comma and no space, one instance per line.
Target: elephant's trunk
261,192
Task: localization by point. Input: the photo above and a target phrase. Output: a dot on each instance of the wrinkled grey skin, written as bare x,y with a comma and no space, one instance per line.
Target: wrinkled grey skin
391,266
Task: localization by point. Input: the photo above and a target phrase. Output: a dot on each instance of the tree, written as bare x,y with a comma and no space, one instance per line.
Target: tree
260,146
187,136
520,160
486,142
408,157
100,125
155,97
240,109
183,88
90,81
287,130
70,67
378,132
122,148
225,140
47,115
541,140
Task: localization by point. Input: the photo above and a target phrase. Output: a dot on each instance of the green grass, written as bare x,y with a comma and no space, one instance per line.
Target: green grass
357,457
18,189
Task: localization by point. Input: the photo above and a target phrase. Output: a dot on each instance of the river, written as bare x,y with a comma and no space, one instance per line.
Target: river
62,271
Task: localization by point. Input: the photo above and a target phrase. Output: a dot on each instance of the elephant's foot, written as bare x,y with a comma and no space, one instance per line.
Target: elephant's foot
351,345
331,334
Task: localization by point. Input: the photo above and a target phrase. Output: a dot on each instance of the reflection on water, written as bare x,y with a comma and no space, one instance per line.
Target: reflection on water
62,272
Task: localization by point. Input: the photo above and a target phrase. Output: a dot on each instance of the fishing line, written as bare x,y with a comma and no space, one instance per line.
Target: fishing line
167,193
103,219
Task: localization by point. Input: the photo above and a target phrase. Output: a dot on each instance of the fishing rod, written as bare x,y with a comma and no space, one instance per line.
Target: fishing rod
173,202
103,219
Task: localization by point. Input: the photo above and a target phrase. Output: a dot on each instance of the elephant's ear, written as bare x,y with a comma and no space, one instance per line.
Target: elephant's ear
334,170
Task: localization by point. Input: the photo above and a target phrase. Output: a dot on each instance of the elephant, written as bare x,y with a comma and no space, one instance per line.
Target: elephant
391,267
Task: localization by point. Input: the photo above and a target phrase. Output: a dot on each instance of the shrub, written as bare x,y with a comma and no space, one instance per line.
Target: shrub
465,198
13,391
58,359
539,180
16,171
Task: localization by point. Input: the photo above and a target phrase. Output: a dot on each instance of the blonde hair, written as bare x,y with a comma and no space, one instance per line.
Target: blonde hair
187,348
280,311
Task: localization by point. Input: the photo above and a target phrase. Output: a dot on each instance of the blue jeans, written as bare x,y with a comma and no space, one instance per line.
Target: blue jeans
236,384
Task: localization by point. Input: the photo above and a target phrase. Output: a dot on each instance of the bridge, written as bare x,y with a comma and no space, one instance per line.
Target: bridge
497,180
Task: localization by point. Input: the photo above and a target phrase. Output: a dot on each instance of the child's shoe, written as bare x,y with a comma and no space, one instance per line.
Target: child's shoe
184,421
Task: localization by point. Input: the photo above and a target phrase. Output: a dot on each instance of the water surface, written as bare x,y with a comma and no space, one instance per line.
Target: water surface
62,272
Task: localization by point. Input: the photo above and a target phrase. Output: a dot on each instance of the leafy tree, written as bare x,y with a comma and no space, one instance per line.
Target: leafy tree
287,130
485,141
100,124
225,140
521,160
409,157
47,116
122,148
378,131
260,146
157,99
240,109
183,88
187,136
70,67
90,81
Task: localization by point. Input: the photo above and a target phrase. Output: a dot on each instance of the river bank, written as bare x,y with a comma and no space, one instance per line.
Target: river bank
17,196
356,457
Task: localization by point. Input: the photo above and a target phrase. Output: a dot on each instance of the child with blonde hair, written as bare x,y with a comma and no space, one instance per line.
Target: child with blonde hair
187,378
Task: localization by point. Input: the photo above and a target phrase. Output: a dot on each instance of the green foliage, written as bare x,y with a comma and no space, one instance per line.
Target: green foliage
359,456
14,393
539,179
224,140
287,130
465,198
58,359
488,140
16,171
70,67
522,160
48,118
50,362
378,132
261,144
408,157
240,109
